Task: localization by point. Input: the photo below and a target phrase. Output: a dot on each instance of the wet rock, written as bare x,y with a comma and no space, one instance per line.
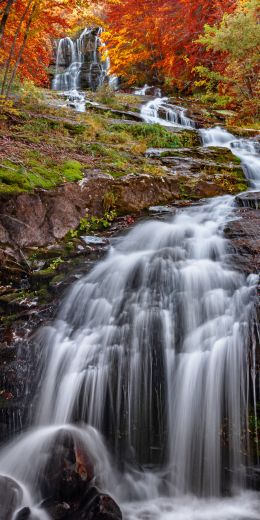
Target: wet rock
95,505
57,511
243,234
253,477
161,209
250,199
68,469
107,509
23,514
67,484
4,236
95,240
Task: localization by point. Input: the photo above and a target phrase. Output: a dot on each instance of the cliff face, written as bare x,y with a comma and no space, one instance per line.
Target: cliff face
78,62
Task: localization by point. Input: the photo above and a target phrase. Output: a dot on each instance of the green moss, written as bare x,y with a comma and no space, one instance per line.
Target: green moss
37,173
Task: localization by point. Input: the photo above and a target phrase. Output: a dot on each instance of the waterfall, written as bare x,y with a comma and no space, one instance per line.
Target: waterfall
170,324
79,63
246,150
149,356
159,111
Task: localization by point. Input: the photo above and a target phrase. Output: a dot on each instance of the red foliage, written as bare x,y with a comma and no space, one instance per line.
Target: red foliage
50,20
160,36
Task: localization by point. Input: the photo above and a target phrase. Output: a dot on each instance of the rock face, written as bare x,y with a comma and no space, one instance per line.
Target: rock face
243,233
42,217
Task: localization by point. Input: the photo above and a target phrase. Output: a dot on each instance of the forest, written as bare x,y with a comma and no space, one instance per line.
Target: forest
129,260
209,50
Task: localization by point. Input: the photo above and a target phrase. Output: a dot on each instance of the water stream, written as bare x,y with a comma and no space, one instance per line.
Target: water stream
146,365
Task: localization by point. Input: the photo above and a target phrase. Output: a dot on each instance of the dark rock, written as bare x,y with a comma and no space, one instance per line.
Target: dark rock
253,477
243,234
58,510
68,470
107,509
95,505
23,514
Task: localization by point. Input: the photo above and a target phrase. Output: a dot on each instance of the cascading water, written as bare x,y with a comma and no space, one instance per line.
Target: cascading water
247,150
155,91
151,350
78,62
163,113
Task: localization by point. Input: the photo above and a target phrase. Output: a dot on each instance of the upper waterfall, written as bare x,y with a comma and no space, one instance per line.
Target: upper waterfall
79,64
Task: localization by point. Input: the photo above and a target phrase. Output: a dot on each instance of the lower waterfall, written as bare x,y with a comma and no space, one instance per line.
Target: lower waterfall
146,367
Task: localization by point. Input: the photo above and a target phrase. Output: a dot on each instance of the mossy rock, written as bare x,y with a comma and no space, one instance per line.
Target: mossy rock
37,173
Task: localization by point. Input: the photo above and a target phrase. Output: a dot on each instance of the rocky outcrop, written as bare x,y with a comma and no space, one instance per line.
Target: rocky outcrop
250,199
45,216
243,233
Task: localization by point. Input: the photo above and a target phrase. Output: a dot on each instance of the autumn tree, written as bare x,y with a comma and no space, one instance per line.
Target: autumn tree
156,39
237,40
29,29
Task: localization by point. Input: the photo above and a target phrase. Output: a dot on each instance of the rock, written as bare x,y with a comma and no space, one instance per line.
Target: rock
42,217
23,514
249,199
136,192
107,509
94,240
58,510
68,470
161,209
95,505
253,477
4,236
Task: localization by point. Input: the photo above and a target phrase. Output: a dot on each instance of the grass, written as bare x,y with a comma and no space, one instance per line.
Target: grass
56,146
155,136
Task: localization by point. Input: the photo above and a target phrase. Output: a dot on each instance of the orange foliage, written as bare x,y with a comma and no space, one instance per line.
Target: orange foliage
50,20
154,40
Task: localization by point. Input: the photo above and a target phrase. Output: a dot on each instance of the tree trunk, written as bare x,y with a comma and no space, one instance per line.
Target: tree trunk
12,50
4,18
21,51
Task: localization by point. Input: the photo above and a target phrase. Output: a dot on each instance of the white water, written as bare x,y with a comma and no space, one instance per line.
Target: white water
147,90
159,111
142,91
151,349
246,149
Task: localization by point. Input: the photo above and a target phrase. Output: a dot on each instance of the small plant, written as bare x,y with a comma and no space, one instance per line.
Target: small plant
109,201
55,263
7,108
91,225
